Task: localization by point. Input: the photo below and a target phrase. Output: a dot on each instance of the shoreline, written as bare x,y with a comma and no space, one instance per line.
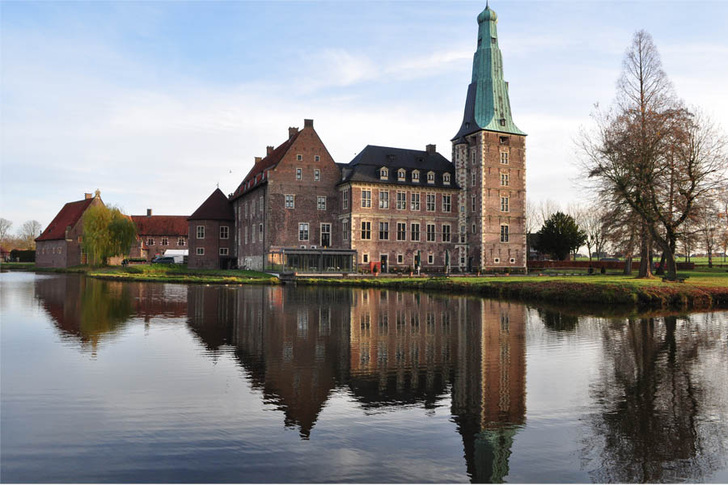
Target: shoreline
704,290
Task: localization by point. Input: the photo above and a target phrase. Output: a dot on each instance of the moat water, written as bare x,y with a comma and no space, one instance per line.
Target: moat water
144,382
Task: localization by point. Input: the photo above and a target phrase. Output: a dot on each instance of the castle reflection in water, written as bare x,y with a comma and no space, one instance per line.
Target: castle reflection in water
297,345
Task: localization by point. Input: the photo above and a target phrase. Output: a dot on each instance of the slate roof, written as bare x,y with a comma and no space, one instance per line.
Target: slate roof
160,225
217,207
365,167
258,174
69,215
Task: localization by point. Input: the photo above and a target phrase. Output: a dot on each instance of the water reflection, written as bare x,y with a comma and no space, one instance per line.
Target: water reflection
658,422
656,412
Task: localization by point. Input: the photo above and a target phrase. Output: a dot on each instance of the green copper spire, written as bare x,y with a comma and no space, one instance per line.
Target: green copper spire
487,106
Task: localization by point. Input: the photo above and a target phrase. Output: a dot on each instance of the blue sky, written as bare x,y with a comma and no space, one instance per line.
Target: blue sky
156,103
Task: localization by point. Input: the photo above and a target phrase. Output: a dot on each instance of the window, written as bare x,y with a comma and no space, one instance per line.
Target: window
446,179
299,157
303,231
345,199
245,206
325,235
345,230
504,204
504,179
415,231
446,233
365,258
366,230
384,199
316,158
401,175
321,203
430,258
430,202
415,206
290,201
504,233
223,251
473,178
299,174
400,259
383,173
474,229
246,234
200,251
384,231
472,203
504,140
512,260
181,242
401,231
430,177
504,158
260,204
200,232
316,175
150,240
366,198
446,203
252,233
401,200
224,232
260,231
165,241
415,175
430,233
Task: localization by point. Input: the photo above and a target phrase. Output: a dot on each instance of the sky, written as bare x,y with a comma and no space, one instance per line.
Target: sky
158,103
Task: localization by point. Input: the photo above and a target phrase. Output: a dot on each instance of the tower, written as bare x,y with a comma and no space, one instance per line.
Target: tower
489,152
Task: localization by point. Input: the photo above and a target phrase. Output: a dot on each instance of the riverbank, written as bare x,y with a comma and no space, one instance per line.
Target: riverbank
702,290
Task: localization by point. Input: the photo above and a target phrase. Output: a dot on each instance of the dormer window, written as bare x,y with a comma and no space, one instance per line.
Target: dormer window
415,175
446,179
401,175
430,177
383,173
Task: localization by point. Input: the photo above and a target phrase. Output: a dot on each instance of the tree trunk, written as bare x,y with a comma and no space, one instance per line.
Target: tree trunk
628,265
661,267
645,243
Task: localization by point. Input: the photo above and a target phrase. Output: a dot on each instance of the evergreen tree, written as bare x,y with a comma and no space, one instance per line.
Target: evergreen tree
559,236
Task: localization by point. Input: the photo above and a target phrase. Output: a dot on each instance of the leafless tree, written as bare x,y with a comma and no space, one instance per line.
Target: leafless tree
28,232
654,154
5,226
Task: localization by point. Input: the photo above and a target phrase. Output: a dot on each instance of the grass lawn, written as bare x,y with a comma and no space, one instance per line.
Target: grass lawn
172,273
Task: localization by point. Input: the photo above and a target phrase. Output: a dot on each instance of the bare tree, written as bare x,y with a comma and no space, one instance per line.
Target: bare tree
28,232
653,153
4,228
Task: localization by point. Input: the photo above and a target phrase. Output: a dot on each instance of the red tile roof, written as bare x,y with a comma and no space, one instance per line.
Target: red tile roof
217,207
69,216
257,174
161,225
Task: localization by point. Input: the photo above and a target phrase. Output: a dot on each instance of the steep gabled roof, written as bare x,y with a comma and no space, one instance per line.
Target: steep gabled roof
160,225
217,207
366,165
258,174
69,215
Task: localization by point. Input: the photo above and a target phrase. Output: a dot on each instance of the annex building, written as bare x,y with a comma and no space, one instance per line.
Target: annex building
392,209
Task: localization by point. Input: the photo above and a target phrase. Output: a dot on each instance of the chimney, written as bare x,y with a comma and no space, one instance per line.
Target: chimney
268,150
149,212
88,196
258,159
308,123
292,132
430,149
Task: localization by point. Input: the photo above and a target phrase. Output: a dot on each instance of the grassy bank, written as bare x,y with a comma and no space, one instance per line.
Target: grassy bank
165,273
702,290
17,266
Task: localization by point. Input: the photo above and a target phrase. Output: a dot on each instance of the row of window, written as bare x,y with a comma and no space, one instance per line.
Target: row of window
401,201
221,252
224,232
290,202
431,234
505,179
414,176
316,158
253,207
165,241
316,174
505,205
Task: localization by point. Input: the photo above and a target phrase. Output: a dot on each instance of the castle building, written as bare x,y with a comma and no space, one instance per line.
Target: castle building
157,234
392,209
489,153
